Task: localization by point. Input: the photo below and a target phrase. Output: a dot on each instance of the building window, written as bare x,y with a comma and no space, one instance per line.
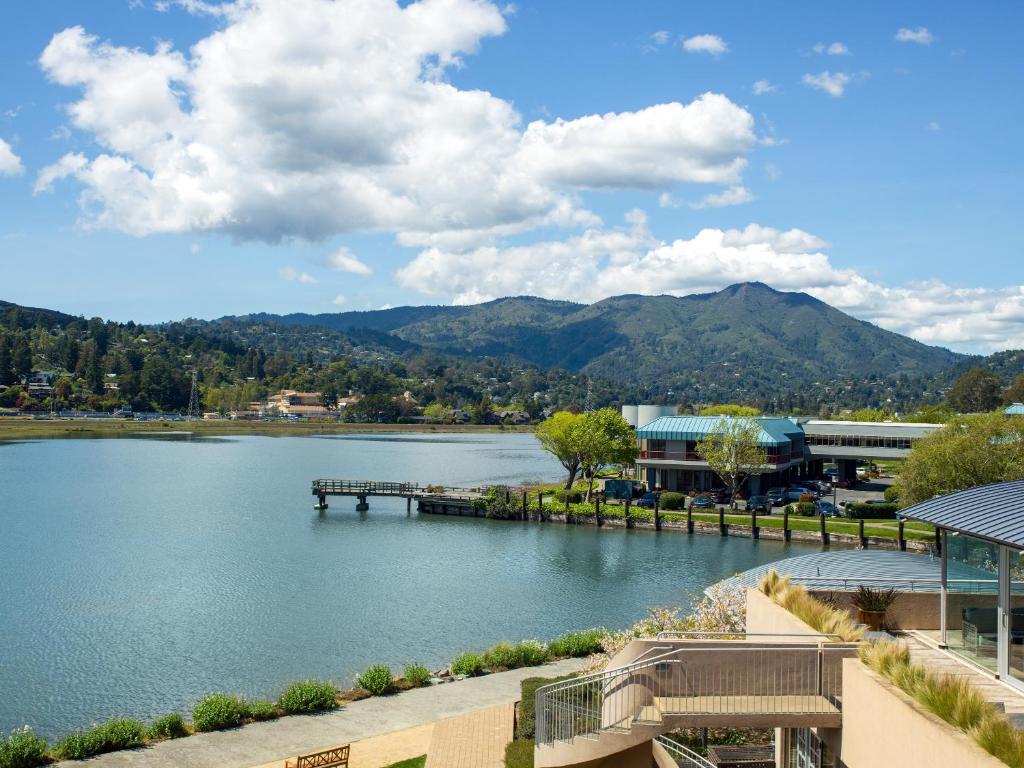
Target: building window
803,749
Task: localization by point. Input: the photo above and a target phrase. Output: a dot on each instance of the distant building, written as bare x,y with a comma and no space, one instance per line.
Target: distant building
513,417
307,405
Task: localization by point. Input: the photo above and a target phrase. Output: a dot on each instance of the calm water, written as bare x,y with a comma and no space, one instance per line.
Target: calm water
137,574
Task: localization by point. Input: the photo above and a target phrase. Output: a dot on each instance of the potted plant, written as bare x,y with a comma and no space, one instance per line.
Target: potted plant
872,604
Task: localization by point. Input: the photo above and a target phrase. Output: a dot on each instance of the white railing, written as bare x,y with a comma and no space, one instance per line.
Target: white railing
721,678
842,584
683,755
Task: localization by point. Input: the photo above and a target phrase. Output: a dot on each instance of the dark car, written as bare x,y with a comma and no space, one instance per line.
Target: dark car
777,496
702,502
719,495
794,492
826,509
761,503
647,501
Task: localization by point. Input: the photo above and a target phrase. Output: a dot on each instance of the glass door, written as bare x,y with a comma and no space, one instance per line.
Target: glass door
1015,619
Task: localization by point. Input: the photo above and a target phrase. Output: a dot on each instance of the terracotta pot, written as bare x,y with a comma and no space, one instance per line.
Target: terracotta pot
873,619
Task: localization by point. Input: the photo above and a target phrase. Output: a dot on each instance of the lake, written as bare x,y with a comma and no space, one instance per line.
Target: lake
137,574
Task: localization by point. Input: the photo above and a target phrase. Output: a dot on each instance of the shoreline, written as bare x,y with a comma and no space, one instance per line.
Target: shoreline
27,429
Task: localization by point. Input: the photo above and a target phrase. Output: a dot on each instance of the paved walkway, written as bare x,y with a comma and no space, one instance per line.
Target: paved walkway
382,751
476,740
261,743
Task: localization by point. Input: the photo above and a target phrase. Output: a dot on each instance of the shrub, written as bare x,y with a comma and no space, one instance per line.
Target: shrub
531,653
528,702
892,494
417,674
868,599
170,726
217,711
309,696
519,754
22,749
670,500
804,508
378,679
581,643
872,511
468,664
501,656
120,733
261,709
574,497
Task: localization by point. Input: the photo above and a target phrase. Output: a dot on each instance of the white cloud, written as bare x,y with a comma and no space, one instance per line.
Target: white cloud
731,196
832,84
604,262
293,275
832,49
934,126
920,35
661,37
666,200
339,300
704,141
10,163
68,165
762,87
343,260
712,44
311,118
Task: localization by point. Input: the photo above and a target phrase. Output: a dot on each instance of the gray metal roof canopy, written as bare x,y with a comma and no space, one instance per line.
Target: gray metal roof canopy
994,512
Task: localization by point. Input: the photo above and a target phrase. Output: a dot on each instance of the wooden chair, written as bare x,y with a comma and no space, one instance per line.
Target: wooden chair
336,757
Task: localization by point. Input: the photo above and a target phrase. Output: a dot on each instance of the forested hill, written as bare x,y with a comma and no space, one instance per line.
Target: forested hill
747,342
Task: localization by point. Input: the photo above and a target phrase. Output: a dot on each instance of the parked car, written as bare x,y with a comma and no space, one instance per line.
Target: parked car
794,492
827,509
761,503
719,495
777,496
832,473
702,502
647,501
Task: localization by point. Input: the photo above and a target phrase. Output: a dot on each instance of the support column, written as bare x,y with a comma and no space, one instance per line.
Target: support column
689,517
597,510
629,518
723,530
943,591
657,513
540,506
755,531
408,505
787,534
863,538
362,506
323,501
824,533
901,540
526,508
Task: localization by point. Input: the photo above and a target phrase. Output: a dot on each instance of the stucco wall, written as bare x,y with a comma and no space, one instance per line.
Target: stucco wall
765,616
918,610
882,726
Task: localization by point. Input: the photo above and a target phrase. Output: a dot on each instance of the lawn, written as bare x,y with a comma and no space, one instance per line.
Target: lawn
913,530
412,762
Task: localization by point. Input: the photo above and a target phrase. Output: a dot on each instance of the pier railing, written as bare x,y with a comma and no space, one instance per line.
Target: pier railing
387,488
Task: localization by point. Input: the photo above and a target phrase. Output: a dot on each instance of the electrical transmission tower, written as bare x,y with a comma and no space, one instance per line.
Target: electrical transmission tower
588,405
193,398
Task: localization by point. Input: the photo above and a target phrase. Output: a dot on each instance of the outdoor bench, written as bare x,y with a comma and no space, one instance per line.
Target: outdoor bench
336,757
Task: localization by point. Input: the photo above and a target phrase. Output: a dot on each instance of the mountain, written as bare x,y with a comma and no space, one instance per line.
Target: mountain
747,341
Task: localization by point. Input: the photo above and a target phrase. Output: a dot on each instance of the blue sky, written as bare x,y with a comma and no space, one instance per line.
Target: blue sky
899,187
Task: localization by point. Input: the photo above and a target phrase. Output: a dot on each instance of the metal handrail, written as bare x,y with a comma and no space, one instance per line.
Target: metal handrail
727,677
679,753
843,583
670,633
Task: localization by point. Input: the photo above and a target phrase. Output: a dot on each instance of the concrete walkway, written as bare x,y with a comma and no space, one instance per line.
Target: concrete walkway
261,743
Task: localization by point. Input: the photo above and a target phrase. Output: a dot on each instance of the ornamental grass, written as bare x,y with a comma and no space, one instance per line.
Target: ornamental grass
820,616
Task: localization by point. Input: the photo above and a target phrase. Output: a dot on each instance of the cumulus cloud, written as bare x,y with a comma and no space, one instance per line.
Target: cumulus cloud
339,300
762,87
731,196
934,126
608,262
661,37
832,49
712,44
832,84
343,260
310,118
10,163
295,276
68,165
920,35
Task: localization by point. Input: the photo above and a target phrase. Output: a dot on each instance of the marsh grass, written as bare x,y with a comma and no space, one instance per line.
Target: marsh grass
818,615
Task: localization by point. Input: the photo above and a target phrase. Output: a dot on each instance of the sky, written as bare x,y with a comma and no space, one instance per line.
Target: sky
162,159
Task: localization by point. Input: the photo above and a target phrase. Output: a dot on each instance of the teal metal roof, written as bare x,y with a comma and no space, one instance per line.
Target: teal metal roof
694,428
1017,409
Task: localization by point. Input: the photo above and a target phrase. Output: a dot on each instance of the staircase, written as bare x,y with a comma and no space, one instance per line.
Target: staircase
659,686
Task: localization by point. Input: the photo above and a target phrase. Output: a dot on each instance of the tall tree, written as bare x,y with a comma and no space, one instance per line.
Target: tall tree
733,450
968,451
605,439
7,376
977,391
1015,392
21,357
560,436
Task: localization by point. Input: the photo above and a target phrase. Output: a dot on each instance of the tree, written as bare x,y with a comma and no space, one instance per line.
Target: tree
560,436
604,439
6,363
1015,392
733,451
437,412
21,357
967,452
977,391
729,409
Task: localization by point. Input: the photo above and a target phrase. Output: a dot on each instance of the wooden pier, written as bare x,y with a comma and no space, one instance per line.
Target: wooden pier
428,498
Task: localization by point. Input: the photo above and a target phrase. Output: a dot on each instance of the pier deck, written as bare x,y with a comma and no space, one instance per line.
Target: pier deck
435,496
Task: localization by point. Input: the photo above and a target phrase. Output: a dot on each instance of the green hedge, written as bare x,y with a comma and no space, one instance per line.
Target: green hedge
574,497
519,754
872,511
217,711
378,680
672,500
119,733
170,726
468,664
417,675
581,643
